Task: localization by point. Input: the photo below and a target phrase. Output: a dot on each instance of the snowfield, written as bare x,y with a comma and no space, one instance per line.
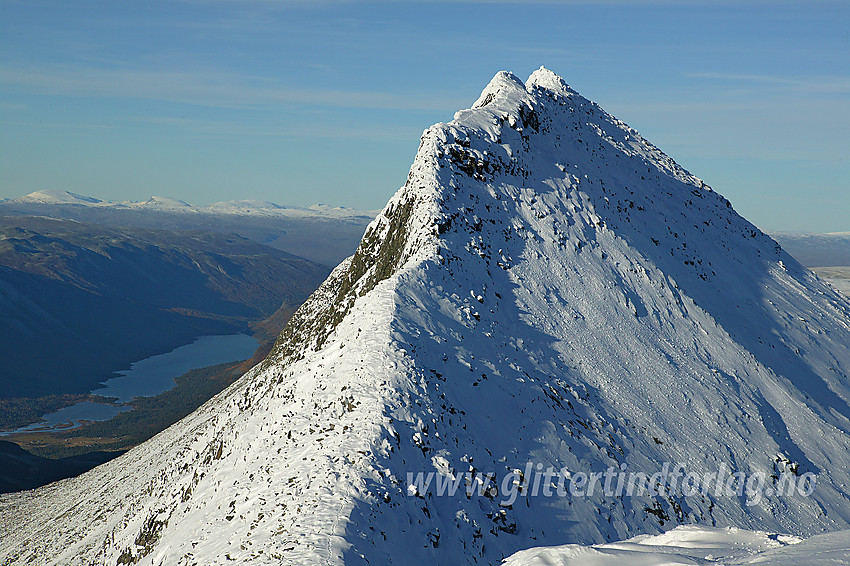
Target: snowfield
547,289
696,545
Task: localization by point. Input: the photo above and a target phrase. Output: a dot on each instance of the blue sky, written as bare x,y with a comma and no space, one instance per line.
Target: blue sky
300,102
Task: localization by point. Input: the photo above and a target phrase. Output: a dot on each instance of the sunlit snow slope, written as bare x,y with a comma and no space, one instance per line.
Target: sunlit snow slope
547,287
697,545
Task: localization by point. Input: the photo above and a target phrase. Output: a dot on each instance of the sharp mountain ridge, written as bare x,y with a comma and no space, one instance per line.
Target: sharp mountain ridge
548,288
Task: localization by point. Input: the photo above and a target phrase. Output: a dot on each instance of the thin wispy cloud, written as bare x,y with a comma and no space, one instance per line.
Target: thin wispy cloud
825,85
213,89
12,107
55,126
317,131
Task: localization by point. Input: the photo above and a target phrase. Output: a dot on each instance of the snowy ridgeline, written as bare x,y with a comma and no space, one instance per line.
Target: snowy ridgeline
548,290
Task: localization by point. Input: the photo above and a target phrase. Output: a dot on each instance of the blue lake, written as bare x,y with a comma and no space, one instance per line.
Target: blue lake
71,417
156,374
147,378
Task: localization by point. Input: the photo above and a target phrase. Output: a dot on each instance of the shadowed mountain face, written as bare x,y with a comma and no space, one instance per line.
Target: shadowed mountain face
547,291
22,470
78,301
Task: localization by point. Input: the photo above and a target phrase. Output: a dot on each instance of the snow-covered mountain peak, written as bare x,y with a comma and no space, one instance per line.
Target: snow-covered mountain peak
547,291
545,133
164,202
544,78
503,85
56,197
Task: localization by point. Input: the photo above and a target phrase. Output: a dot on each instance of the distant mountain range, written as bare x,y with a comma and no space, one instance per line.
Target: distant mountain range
79,301
828,255
89,286
160,203
816,250
320,233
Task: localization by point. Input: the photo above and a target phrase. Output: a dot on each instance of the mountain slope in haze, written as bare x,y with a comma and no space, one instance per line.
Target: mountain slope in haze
56,197
547,289
828,255
816,250
80,301
320,233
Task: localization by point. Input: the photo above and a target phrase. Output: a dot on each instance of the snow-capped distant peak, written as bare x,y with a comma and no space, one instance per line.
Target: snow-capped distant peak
243,206
329,207
165,202
266,208
57,197
162,204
